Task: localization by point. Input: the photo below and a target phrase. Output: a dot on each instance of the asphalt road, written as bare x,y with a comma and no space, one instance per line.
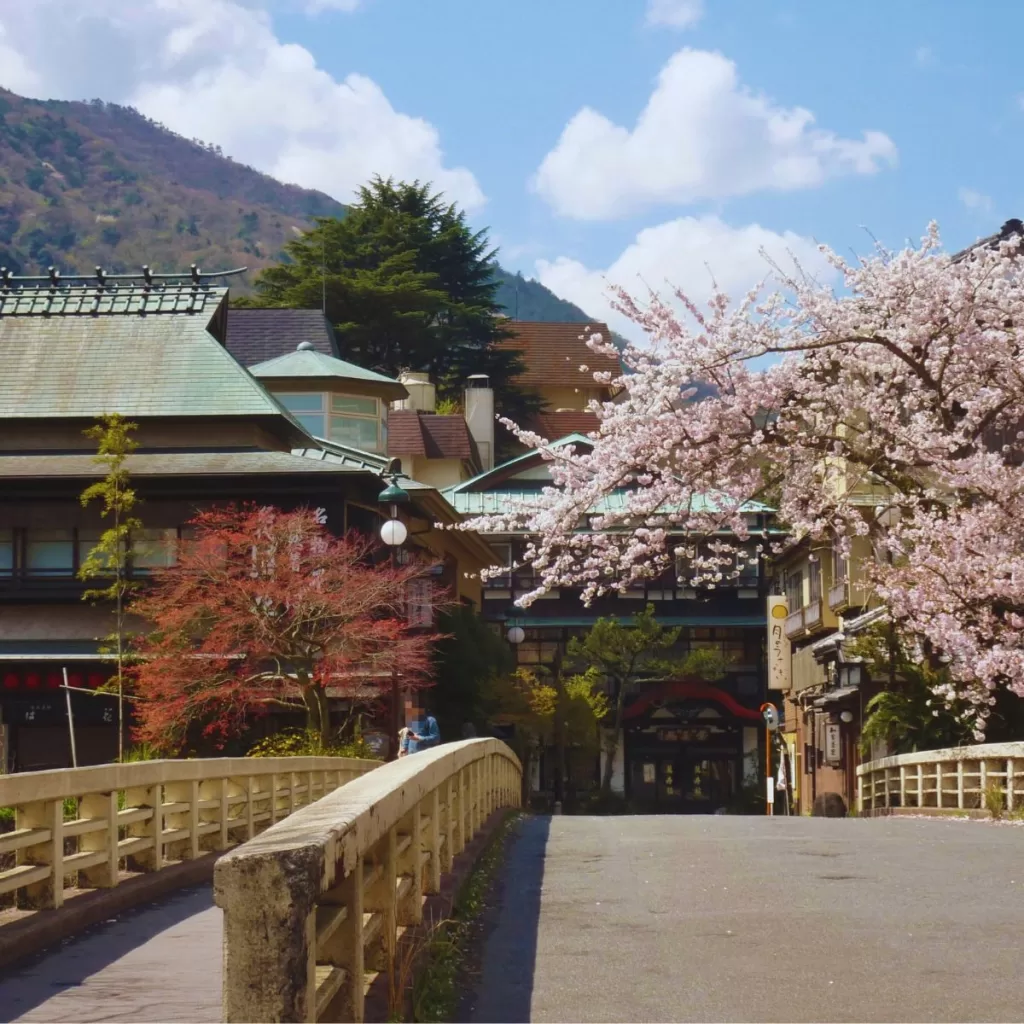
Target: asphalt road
161,962
756,919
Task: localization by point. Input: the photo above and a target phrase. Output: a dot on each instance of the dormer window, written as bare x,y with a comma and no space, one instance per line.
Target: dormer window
355,420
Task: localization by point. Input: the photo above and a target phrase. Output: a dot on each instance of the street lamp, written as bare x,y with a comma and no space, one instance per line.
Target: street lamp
516,634
393,533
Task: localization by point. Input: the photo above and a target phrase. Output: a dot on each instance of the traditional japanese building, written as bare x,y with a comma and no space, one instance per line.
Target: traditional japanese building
159,351
687,745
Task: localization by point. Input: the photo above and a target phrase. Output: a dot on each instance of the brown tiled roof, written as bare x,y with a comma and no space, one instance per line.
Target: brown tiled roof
556,425
554,352
429,434
1008,230
256,335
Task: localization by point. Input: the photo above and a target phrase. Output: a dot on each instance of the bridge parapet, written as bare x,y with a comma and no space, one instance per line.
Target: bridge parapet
315,906
148,815
956,778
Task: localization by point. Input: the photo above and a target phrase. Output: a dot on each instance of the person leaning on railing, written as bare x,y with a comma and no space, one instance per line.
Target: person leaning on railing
421,732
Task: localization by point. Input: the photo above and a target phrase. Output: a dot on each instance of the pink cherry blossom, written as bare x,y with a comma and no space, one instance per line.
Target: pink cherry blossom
892,408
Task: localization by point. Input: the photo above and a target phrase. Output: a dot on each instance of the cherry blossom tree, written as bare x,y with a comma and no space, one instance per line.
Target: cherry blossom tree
267,609
889,407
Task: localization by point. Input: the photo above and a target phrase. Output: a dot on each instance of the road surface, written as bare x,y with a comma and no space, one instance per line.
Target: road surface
756,919
158,963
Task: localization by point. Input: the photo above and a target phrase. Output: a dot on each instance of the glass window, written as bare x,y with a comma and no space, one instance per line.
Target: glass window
87,540
814,580
358,433
50,553
6,552
308,409
356,406
503,556
310,402
154,549
794,590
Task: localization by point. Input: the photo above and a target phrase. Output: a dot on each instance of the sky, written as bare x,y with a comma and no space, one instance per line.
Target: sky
642,143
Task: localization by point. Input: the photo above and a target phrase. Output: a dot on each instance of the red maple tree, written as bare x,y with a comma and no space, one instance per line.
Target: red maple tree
267,609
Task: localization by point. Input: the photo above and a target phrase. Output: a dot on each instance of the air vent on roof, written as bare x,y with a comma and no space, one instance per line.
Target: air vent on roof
305,346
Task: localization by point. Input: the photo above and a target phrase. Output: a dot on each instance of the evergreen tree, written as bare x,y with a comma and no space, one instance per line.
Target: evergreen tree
629,653
407,285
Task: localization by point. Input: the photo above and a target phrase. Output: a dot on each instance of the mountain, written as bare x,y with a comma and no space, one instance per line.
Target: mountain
526,299
87,184
83,184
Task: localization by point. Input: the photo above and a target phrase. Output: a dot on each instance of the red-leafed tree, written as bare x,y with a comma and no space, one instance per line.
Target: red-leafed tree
267,609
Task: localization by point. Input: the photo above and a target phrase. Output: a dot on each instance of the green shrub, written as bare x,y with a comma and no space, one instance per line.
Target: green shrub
995,799
300,743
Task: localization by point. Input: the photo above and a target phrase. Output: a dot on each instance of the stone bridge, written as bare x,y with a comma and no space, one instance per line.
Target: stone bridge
594,919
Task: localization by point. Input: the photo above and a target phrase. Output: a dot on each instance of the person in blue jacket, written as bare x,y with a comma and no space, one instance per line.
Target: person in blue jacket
421,727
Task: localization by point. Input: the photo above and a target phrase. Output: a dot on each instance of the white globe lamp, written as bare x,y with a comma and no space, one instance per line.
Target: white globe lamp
393,533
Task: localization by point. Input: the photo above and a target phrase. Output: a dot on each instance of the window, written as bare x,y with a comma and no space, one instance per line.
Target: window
839,566
503,556
87,540
308,409
154,549
354,420
814,580
794,586
6,552
50,552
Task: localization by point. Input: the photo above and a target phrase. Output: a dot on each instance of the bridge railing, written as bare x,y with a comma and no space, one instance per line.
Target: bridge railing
956,778
84,823
315,906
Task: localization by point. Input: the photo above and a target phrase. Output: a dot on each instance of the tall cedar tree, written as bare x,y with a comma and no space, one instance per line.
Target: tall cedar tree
407,286
633,652
265,610
108,558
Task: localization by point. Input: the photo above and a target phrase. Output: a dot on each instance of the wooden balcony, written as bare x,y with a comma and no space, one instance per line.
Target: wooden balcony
839,596
813,615
794,623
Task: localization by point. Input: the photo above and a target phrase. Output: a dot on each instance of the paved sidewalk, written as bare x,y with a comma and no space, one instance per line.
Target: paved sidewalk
156,963
756,919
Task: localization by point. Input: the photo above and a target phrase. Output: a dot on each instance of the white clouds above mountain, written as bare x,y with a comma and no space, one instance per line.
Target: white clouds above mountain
216,70
689,253
679,14
702,135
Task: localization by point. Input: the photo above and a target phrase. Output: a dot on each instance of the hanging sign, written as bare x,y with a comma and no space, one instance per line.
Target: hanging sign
833,749
780,673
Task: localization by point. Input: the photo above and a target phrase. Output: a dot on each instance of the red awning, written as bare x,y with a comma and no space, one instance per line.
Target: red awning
694,690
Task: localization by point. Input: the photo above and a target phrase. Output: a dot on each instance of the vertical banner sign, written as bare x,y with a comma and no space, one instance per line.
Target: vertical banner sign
780,669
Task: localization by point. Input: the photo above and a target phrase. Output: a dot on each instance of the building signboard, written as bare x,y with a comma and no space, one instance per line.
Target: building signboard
779,653
833,748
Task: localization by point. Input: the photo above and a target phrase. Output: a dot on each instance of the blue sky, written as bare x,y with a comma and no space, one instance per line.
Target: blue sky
917,114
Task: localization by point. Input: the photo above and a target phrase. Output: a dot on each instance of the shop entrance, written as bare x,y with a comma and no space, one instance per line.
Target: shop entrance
684,782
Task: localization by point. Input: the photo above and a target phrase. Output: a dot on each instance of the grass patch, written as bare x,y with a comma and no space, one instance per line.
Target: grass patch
438,990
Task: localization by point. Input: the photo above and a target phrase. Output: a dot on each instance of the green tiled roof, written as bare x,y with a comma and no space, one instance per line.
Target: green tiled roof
131,363
304,363
19,298
498,502
154,464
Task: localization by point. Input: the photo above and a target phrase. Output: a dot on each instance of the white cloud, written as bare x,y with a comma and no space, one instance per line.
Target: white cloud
924,57
702,135
689,253
675,13
975,200
215,70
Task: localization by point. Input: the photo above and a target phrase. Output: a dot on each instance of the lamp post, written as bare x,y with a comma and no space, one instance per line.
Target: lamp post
393,533
771,722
